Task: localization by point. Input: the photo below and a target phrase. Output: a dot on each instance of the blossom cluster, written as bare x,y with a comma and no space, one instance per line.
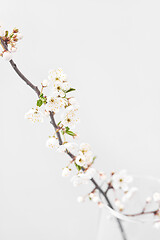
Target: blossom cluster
10,40
54,98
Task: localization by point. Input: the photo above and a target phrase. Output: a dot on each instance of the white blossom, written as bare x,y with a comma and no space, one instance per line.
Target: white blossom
54,104
129,194
74,102
76,180
80,160
34,115
95,199
58,89
88,174
71,147
119,205
156,197
52,142
66,85
57,75
7,55
89,157
66,172
70,118
45,83
85,147
121,180
91,195
52,75
61,148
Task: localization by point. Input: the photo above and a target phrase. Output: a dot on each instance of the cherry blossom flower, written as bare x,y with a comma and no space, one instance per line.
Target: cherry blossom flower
34,115
88,174
70,117
129,194
156,197
7,55
73,102
57,75
66,85
80,160
119,205
45,83
71,147
77,180
58,89
94,197
52,142
85,147
54,104
121,180
89,157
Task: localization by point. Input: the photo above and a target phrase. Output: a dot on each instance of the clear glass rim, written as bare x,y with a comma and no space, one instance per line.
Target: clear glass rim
134,219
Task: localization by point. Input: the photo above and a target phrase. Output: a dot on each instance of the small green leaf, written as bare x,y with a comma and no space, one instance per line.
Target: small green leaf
41,95
6,33
71,133
67,129
11,35
39,102
78,167
70,90
94,158
59,123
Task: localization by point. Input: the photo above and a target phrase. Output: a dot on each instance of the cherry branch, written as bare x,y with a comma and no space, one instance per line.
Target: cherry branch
56,128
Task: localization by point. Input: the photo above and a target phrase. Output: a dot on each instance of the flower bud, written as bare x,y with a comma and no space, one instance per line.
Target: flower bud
45,83
15,30
7,55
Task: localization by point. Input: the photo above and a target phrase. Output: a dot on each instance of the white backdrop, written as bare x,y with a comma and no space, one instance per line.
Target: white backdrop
110,50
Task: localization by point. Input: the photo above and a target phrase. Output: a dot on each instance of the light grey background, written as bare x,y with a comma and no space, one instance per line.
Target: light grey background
110,50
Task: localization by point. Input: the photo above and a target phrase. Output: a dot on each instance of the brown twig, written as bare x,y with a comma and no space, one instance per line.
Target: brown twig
142,213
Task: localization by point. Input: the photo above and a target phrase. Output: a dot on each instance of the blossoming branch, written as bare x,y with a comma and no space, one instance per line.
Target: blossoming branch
56,98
